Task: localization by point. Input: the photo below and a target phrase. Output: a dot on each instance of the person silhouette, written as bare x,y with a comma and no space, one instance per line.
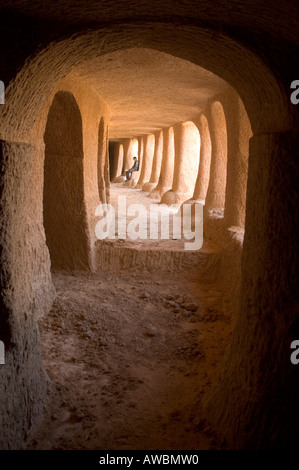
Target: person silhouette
135,167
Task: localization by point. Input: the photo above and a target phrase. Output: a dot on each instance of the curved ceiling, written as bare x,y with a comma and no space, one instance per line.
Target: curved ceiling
278,18
148,90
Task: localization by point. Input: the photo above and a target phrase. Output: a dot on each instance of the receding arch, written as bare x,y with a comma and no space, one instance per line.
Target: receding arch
156,165
187,151
238,136
121,159
167,167
102,157
209,50
130,151
203,176
63,195
116,157
215,198
147,160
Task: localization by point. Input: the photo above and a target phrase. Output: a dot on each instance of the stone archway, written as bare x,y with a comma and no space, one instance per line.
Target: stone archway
63,195
263,305
240,71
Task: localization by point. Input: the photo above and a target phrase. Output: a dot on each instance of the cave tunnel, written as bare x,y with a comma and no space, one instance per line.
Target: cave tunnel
147,343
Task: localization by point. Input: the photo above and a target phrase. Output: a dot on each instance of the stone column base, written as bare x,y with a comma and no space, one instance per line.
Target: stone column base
172,197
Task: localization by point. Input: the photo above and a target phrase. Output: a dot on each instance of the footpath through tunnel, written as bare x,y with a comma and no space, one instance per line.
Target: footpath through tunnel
142,338
147,343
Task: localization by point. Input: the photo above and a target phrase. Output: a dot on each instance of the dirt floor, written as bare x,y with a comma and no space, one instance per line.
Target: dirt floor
130,353
138,205
129,359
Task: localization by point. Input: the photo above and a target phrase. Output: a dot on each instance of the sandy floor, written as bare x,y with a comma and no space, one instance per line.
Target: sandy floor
130,356
129,362
136,204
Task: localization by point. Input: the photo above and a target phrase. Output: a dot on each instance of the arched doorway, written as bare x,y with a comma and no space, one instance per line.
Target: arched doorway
63,195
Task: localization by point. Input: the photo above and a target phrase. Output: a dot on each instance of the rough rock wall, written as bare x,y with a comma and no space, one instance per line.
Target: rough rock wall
26,285
258,384
26,289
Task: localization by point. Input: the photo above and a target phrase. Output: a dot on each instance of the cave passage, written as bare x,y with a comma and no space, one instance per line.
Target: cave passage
130,358
133,344
148,344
